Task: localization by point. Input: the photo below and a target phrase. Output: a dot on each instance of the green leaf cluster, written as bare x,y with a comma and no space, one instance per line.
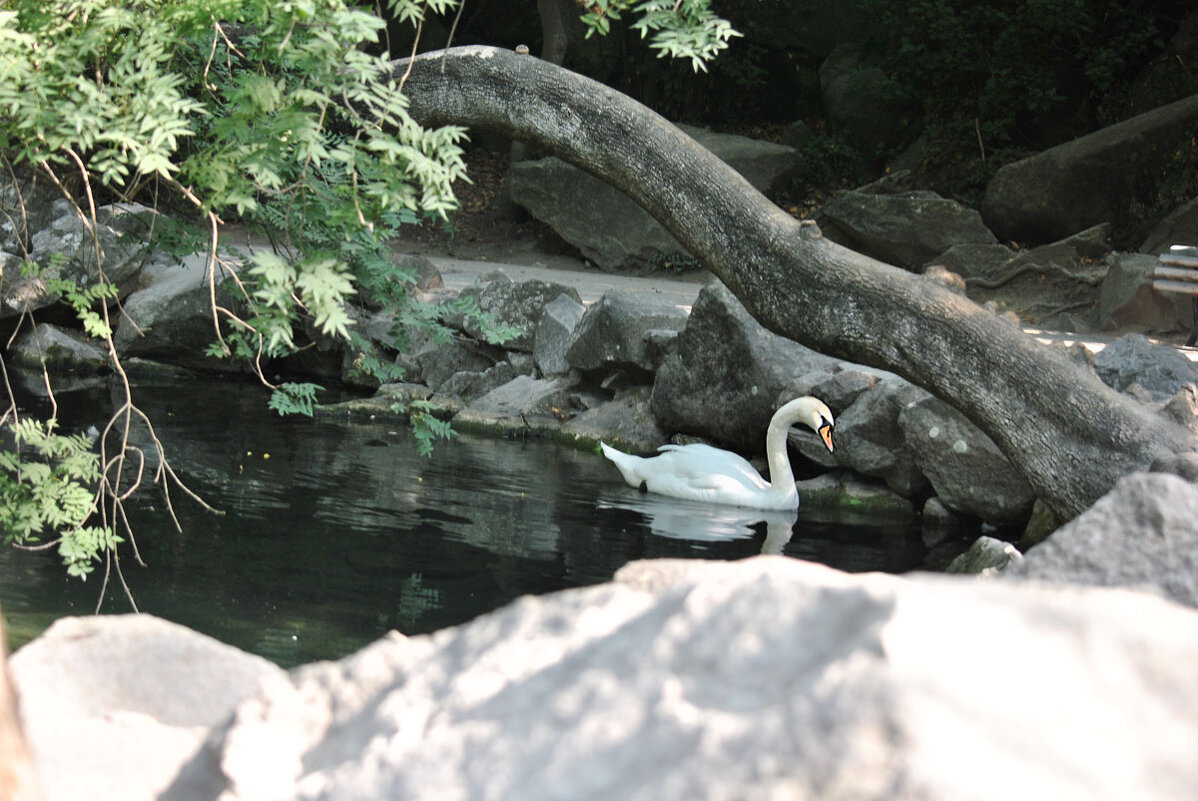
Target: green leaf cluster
84,301
675,28
96,77
274,112
294,398
47,485
426,427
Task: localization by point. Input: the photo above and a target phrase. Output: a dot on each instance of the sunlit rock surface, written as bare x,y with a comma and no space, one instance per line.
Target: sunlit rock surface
112,705
764,679
1143,533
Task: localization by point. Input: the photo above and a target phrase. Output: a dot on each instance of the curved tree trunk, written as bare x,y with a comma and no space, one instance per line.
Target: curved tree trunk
1070,435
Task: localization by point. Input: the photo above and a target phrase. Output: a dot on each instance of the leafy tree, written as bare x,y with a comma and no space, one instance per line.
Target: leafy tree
280,114
686,29
273,113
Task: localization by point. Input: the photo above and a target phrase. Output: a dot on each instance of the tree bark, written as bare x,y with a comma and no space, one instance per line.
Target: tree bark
1070,435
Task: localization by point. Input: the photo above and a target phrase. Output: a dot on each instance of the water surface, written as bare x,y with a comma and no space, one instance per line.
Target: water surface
333,533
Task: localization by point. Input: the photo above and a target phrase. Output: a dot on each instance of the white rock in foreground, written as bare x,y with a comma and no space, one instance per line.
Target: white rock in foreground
764,679
113,705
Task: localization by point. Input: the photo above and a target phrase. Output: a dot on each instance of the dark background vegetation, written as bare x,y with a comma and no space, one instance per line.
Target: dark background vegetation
968,86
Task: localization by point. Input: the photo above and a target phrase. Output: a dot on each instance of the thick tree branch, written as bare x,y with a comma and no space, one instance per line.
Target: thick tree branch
1069,434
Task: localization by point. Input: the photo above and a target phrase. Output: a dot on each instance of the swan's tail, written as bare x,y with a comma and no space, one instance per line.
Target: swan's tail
626,463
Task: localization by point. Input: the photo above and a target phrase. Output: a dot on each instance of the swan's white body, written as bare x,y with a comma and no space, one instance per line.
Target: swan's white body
711,475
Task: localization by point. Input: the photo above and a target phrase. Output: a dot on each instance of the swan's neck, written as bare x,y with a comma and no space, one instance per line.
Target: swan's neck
782,480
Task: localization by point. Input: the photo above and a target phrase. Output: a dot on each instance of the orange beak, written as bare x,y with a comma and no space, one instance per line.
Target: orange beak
825,433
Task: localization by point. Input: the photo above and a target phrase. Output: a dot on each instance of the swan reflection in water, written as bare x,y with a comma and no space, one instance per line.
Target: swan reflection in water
705,522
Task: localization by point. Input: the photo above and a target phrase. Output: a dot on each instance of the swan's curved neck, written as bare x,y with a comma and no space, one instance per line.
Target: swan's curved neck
782,479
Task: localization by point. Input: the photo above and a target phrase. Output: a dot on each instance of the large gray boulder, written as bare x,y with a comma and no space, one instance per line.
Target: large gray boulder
625,422
1144,533
763,679
609,228
524,406
967,470
170,317
1097,178
1057,285
438,361
58,349
571,202
723,382
66,249
555,331
18,781
906,229
1134,360
113,705
1127,301
464,387
868,438
985,557
515,305
27,205
625,330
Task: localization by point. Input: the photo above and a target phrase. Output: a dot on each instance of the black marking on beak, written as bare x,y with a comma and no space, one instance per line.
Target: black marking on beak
825,434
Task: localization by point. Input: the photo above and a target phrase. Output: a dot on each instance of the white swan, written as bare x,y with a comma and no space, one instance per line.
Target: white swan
704,473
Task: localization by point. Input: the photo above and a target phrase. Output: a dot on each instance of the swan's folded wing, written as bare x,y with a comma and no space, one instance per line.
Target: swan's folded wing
708,467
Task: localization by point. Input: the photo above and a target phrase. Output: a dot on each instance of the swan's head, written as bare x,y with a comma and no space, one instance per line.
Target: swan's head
813,413
824,424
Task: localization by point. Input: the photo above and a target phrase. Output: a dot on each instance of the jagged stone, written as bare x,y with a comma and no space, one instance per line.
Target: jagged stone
985,557
61,349
524,406
1140,534
438,361
838,387
114,704
27,205
869,440
18,781
170,318
1134,360
637,690
725,378
555,331
624,331
1128,302
424,274
1057,285
1180,227
514,304
907,229
966,469
66,249
1097,178
625,422
469,386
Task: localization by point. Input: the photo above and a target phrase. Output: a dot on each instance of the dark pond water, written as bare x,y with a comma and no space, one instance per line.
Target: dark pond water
335,533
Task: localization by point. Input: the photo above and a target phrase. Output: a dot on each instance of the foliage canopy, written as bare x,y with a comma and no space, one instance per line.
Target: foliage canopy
281,115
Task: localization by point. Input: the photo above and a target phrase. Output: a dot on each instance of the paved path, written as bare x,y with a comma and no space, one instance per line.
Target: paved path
590,284
681,290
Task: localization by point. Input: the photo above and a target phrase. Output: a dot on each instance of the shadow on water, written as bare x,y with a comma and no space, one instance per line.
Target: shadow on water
335,533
